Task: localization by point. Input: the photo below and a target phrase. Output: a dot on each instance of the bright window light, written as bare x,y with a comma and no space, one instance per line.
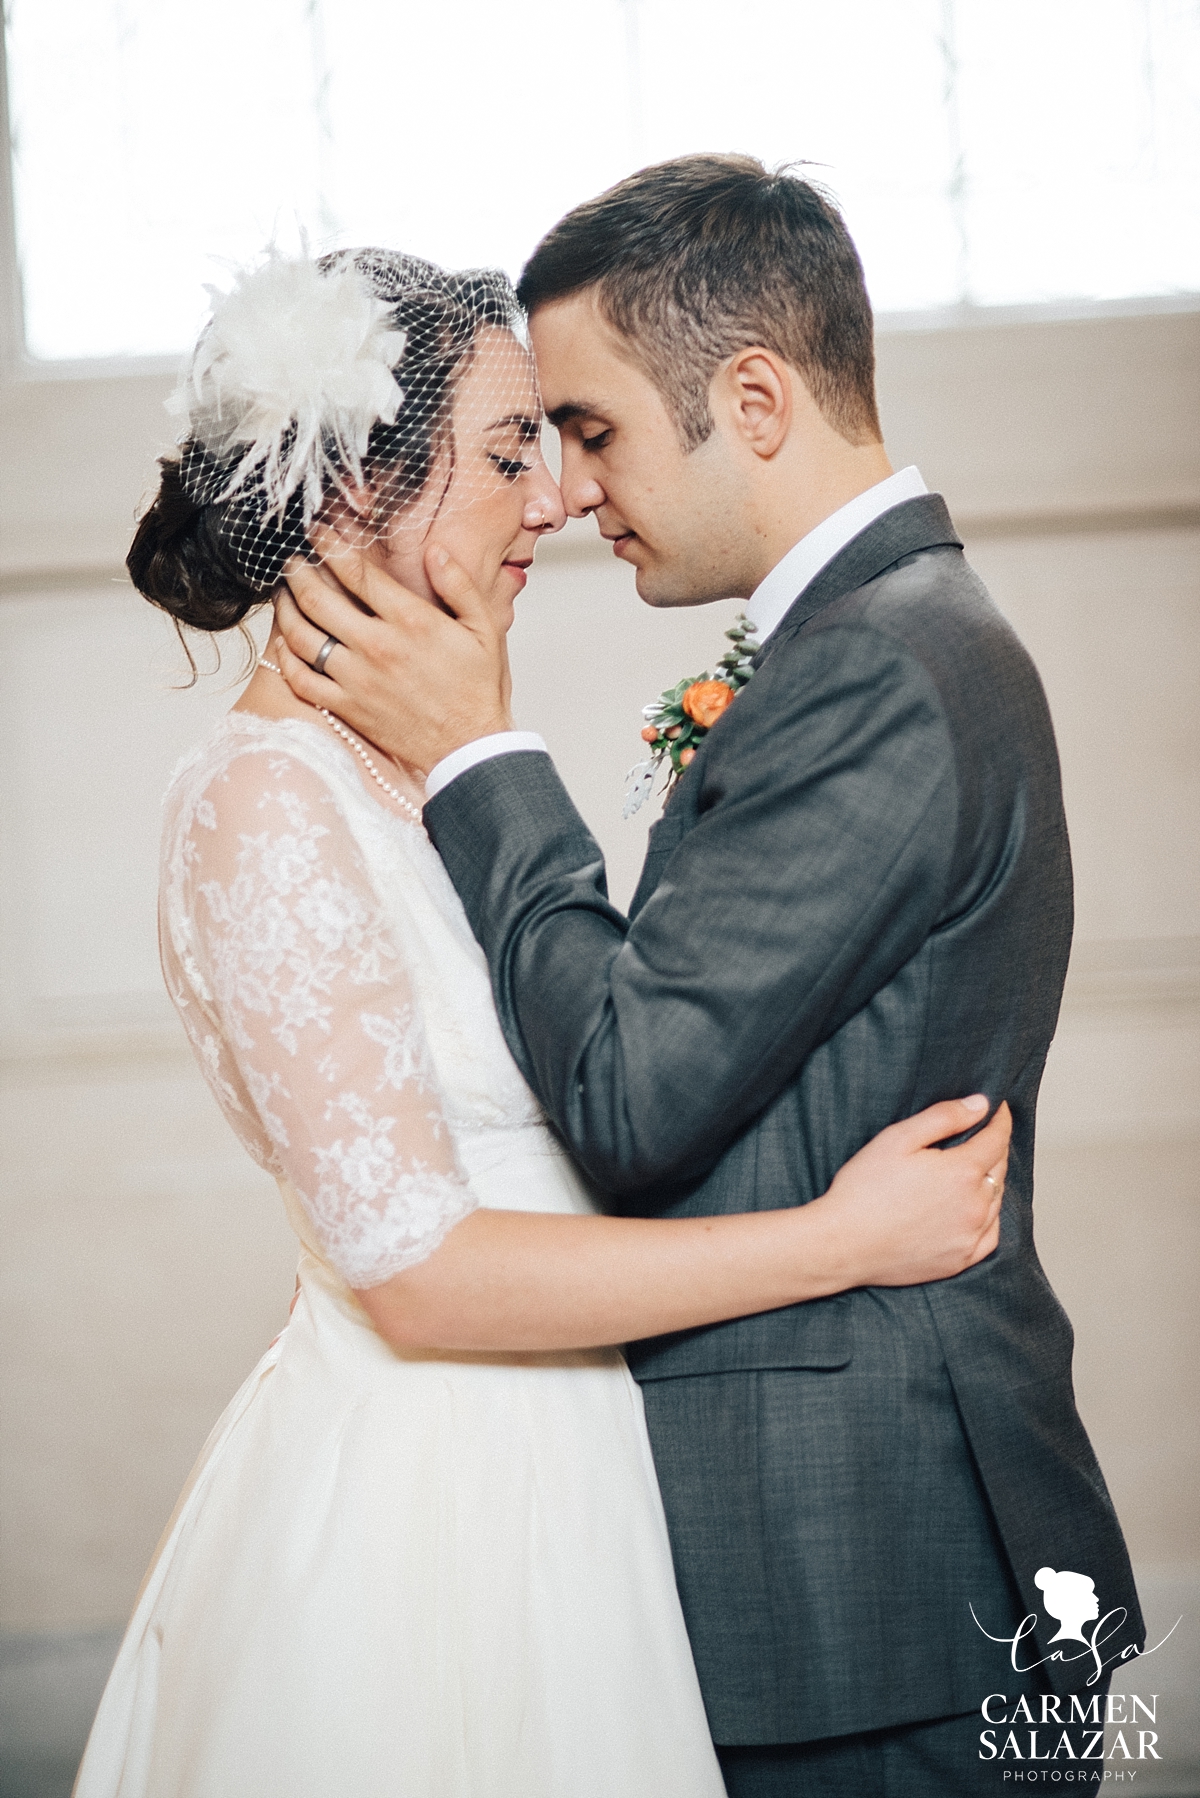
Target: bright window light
984,152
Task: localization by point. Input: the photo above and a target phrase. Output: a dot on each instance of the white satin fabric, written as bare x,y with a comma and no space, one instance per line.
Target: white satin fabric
408,1575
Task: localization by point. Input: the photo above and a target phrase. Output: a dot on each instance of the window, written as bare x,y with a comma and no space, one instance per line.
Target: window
984,151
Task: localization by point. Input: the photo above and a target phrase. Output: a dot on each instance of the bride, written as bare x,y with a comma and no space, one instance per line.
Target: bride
422,1554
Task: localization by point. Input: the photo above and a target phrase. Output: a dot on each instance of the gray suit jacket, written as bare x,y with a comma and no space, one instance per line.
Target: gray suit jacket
858,901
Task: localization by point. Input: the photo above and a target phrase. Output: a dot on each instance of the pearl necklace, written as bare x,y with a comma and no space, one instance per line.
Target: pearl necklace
348,737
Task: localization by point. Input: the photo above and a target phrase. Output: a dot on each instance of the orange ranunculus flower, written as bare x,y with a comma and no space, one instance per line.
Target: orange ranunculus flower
705,700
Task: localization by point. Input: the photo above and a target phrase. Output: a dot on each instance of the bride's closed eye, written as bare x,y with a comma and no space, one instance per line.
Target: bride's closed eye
509,467
511,437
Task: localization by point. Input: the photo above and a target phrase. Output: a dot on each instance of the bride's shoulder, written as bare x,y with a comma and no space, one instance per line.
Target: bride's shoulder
245,763
247,750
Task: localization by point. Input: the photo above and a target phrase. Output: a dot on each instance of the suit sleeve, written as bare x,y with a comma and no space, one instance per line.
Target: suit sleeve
817,865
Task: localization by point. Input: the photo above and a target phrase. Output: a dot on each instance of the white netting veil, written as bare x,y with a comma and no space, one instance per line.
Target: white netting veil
366,390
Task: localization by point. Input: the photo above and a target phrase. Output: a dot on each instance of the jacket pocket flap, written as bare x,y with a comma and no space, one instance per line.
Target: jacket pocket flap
816,1335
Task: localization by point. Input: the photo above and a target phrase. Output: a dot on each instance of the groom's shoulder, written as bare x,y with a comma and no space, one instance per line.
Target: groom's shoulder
924,640
921,596
932,607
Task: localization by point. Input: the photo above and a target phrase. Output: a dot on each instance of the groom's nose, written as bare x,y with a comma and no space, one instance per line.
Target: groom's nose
581,491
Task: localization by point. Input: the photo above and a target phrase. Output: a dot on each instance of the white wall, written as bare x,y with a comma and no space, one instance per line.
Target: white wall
146,1263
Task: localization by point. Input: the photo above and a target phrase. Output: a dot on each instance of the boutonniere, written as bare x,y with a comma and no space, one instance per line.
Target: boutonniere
678,721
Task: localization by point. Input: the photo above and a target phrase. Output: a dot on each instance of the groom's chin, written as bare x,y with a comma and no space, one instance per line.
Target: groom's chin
657,589
651,594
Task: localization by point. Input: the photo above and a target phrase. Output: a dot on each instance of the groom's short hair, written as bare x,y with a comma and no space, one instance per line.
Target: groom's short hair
697,258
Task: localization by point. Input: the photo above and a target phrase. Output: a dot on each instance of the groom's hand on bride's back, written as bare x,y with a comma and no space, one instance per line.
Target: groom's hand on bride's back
417,680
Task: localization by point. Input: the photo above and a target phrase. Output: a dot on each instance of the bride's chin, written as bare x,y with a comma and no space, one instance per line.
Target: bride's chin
502,606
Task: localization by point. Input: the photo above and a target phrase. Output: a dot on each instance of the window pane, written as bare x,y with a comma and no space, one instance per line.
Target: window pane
152,136
855,89
981,151
1081,137
462,131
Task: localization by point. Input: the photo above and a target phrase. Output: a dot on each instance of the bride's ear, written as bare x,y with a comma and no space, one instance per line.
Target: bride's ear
347,510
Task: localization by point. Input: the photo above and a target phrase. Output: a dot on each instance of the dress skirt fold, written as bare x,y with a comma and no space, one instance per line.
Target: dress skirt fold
410,1576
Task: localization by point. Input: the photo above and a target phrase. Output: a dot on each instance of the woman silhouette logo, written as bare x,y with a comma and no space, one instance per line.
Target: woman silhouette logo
1071,1599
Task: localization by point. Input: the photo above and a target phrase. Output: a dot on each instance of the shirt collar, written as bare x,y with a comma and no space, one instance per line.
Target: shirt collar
804,561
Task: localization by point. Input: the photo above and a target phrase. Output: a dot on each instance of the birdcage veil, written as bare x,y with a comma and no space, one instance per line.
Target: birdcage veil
324,389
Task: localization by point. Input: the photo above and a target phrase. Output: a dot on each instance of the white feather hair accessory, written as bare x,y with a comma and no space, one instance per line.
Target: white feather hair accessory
297,365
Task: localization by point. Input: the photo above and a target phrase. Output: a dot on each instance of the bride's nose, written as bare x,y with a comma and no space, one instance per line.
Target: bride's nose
545,512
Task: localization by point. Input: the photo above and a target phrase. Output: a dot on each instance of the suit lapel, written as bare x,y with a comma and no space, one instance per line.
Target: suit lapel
664,836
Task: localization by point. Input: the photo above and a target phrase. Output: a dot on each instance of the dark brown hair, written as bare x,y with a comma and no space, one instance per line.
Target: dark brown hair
695,259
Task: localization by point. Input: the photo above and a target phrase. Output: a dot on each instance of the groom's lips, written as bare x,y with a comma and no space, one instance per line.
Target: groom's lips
619,543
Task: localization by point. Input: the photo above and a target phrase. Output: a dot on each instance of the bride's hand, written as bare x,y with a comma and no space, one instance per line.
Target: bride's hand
904,1212
416,679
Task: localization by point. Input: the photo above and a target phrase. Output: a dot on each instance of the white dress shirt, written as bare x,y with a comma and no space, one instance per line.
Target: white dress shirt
787,580
766,605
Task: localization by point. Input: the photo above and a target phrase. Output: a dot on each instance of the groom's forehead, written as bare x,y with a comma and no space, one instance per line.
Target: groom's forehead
584,367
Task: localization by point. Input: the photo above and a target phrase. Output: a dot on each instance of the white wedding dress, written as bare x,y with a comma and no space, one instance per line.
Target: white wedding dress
391,1574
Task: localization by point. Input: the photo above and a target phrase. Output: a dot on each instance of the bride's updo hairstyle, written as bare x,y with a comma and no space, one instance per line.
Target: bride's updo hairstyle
318,390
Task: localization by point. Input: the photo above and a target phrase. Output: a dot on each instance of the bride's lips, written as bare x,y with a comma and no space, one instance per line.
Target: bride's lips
518,571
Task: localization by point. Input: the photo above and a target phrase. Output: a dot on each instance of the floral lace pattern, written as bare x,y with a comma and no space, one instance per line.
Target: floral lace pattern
301,1010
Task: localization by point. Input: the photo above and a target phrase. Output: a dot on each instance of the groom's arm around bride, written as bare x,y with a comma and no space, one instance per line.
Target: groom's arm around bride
858,901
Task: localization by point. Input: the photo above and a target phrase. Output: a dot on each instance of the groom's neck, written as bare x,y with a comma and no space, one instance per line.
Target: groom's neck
807,484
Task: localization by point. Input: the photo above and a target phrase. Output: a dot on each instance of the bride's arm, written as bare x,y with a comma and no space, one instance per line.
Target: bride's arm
312,1035
899,1213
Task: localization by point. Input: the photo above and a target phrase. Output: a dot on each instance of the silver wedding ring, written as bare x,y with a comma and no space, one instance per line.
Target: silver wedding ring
323,654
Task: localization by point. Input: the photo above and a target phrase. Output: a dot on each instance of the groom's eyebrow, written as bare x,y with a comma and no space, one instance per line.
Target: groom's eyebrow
570,409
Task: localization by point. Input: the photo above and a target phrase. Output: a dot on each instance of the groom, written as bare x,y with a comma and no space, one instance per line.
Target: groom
857,901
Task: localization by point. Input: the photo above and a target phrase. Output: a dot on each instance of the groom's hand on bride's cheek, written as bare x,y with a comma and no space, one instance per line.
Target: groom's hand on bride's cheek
417,680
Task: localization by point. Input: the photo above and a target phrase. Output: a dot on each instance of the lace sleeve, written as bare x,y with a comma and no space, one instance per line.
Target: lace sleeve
306,993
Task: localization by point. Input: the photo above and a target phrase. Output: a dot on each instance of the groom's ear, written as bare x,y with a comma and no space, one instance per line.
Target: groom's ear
755,393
